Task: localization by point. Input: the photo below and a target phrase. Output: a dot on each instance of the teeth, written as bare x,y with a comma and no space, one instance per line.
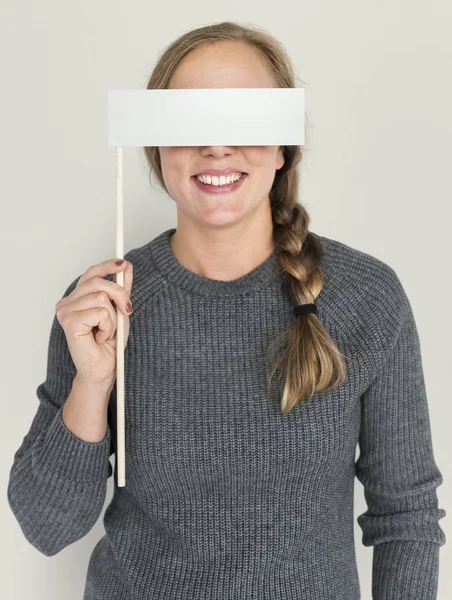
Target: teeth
218,181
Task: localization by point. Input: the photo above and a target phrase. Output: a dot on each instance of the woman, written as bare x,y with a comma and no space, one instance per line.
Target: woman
260,355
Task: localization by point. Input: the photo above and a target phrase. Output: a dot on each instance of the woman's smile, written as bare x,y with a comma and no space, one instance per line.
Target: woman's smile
219,189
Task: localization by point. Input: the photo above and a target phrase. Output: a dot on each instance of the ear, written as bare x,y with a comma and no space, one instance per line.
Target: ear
280,158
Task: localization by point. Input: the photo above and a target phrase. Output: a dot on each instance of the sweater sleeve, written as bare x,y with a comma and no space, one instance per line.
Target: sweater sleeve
57,483
397,468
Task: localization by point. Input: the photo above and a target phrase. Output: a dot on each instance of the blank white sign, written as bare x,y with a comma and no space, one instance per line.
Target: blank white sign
207,117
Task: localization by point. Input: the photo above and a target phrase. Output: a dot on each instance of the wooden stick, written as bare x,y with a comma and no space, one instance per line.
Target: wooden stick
120,435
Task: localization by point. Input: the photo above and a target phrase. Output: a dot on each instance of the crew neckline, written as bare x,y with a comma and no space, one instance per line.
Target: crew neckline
169,267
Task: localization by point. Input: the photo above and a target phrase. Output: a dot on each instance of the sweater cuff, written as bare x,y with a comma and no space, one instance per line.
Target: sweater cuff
59,454
403,570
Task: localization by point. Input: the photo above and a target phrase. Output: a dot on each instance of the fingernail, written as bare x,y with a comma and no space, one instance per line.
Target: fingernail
119,262
129,307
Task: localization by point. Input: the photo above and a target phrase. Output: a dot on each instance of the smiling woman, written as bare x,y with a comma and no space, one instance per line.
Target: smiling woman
235,489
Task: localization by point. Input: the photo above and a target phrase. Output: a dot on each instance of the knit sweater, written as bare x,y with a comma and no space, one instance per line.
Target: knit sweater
226,497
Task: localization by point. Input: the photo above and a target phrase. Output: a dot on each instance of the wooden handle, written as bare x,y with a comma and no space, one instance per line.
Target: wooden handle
120,417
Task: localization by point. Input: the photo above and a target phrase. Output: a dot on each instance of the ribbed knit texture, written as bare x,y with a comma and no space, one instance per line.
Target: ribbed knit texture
226,497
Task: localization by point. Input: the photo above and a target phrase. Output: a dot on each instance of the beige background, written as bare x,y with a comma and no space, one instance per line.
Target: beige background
376,177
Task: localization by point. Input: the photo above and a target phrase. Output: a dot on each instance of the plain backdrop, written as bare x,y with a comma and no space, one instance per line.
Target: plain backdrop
378,87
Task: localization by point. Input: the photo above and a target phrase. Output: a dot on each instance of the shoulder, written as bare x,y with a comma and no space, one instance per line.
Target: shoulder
348,267
363,293
147,280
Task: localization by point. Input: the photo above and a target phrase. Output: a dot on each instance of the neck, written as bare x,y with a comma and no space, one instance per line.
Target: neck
222,254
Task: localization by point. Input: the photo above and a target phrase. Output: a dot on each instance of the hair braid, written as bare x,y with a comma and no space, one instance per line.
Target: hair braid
310,360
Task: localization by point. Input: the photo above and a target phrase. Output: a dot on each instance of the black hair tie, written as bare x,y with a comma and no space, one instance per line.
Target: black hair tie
303,309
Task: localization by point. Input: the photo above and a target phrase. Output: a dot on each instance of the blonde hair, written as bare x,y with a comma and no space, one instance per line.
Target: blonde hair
305,354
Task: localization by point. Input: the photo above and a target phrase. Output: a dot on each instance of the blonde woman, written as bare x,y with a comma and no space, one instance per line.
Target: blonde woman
259,355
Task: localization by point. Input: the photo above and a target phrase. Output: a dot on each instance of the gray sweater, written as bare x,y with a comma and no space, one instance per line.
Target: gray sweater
226,497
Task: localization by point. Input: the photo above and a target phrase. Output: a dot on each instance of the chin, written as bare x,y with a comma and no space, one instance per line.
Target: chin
220,218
